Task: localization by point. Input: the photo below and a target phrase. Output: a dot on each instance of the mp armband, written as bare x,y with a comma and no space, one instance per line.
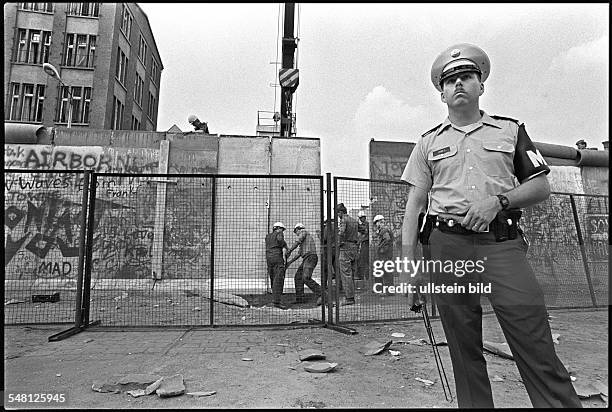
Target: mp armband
528,161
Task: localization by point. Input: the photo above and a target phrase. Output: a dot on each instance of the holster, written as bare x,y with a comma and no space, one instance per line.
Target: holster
505,225
424,235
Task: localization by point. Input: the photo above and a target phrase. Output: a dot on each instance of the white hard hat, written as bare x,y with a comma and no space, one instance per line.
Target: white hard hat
378,217
361,213
279,224
298,226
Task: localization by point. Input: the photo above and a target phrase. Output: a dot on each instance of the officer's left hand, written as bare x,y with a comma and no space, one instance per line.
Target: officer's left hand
480,214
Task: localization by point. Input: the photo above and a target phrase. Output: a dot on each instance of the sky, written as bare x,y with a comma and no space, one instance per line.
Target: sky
365,69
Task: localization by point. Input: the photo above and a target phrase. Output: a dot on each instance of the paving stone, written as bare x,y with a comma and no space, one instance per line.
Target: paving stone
311,354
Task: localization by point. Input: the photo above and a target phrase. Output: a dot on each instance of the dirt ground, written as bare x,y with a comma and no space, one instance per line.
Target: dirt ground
213,360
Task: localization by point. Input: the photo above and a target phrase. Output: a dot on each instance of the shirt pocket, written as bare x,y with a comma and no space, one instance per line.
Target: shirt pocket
497,158
445,163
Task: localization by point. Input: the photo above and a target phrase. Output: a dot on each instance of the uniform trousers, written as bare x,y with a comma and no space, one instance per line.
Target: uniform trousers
276,271
518,303
348,268
304,276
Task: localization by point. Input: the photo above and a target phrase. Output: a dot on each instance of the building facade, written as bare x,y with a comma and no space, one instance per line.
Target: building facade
105,54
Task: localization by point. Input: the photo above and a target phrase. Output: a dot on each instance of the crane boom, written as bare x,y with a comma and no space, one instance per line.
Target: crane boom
290,83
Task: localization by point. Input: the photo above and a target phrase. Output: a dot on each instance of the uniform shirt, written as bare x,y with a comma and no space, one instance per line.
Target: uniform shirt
384,241
347,231
364,231
461,165
306,244
275,242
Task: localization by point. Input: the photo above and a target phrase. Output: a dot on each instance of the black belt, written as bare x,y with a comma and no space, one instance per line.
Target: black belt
448,225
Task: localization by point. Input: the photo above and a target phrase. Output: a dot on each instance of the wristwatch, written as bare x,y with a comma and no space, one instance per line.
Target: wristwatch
503,201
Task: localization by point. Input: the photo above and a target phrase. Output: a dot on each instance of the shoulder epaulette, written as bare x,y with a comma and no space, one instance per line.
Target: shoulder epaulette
496,117
431,130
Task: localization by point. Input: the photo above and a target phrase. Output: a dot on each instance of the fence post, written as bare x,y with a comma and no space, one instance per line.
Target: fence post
160,214
89,249
78,310
328,250
212,249
323,251
337,251
583,251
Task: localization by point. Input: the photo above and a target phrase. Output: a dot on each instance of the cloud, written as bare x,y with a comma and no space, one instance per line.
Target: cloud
382,115
583,58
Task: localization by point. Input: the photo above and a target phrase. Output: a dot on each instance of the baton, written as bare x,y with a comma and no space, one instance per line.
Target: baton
420,307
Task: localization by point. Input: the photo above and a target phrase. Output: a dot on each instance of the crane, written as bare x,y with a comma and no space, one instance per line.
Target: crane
288,75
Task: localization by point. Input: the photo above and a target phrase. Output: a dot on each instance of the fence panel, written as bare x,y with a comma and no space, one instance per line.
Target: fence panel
207,265
593,214
246,209
42,225
374,197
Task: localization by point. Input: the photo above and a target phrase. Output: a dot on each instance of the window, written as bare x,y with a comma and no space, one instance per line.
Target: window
84,9
27,102
135,123
81,103
80,50
121,68
138,88
151,106
117,116
15,112
153,70
32,46
47,7
142,50
40,102
126,21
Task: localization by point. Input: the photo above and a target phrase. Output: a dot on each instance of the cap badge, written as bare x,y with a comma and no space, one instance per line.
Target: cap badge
455,53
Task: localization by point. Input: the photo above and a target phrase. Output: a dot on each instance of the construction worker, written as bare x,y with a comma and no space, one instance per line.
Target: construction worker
471,174
275,259
383,240
308,253
363,263
581,144
348,236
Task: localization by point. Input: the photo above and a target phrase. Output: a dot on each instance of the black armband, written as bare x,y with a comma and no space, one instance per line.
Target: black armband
528,161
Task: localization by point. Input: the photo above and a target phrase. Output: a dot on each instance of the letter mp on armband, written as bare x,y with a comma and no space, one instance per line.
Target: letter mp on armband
536,158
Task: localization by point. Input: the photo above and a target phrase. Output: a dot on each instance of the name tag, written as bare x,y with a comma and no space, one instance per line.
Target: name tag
441,151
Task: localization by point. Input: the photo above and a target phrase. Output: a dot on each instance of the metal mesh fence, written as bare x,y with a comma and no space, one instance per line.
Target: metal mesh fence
388,199
207,265
571,274
42,225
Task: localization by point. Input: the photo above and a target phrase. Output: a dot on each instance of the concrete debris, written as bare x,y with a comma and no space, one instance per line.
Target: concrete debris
499,349
319,367
171,386
247,359
572,378
398,335
105,387
88,340
375,347
197,308
555,337
13,302
394,352
588,389
311,354
497,378
209,393
142,379
425,381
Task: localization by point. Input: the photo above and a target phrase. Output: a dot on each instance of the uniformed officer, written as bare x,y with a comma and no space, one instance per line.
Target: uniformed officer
275,259
474,172
348,237
363,263
303,275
